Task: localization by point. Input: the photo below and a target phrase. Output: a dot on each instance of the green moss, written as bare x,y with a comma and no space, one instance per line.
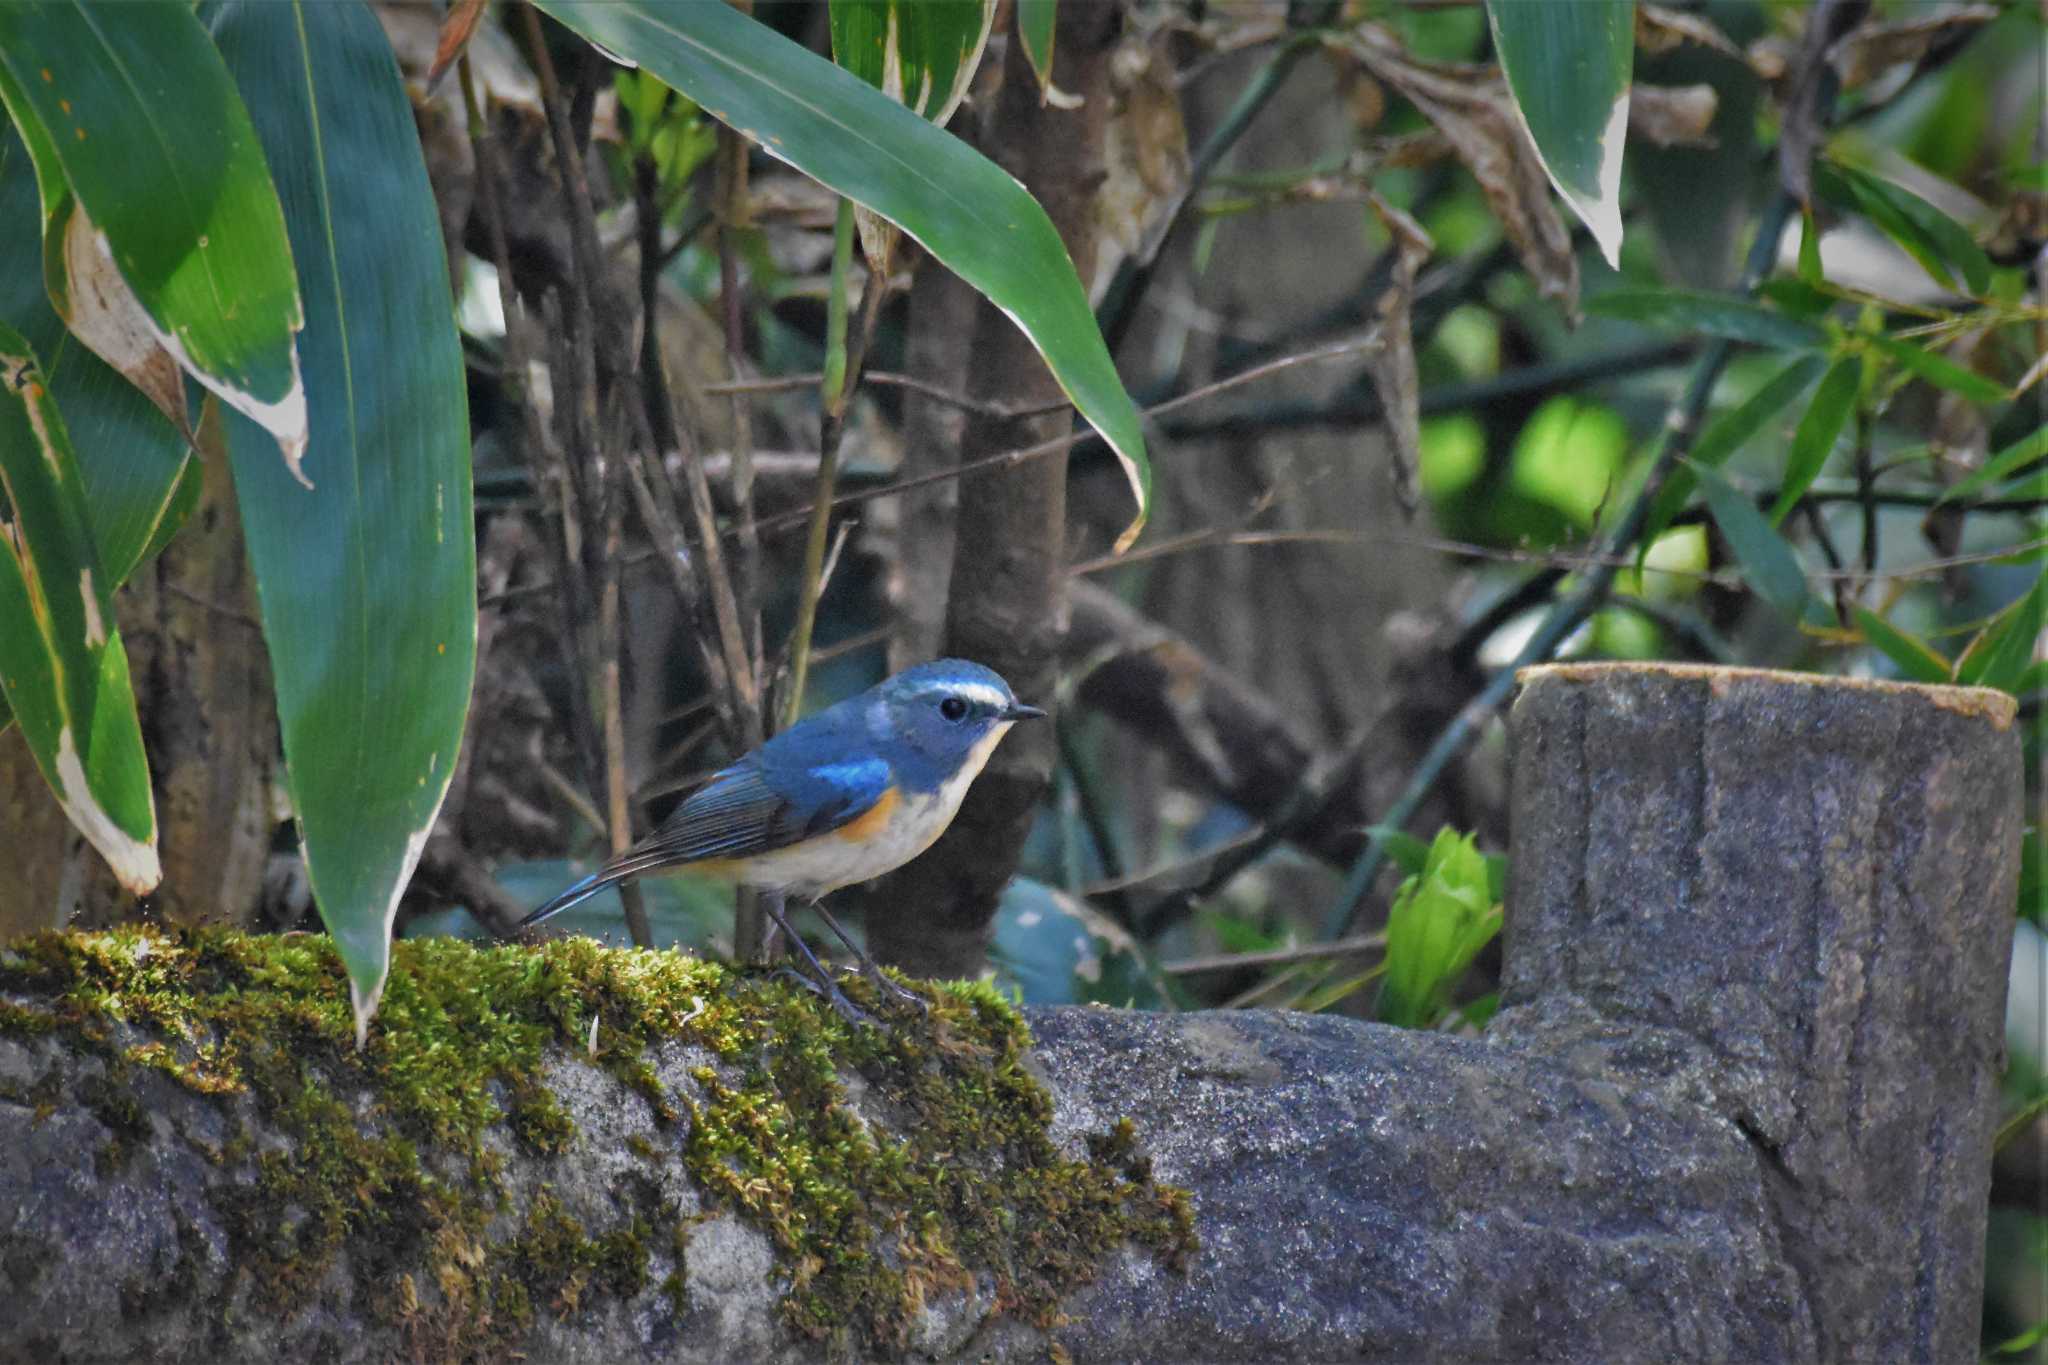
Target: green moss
557,1259
960,1182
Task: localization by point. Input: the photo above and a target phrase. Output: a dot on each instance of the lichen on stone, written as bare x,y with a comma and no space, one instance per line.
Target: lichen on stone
887,1165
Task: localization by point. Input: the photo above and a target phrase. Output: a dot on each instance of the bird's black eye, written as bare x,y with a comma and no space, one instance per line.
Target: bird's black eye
953,708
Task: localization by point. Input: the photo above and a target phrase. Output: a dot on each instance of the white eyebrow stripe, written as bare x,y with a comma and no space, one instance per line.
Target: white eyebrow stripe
981,693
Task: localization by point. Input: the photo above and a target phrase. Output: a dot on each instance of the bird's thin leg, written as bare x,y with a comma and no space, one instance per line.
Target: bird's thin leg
867,964
772,902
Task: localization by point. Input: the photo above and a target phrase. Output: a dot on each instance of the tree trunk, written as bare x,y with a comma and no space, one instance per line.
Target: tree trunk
934,918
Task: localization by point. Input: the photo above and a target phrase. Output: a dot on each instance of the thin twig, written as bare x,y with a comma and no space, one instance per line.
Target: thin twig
1094,811
1362,405
700,219
618,793
1003,459
786,383
731,209
833,392
569,793
1359,945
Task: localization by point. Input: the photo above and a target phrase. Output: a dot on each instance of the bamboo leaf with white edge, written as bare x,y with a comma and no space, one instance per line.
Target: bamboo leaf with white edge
62,665
1568,64
174,239
1036,22
131,460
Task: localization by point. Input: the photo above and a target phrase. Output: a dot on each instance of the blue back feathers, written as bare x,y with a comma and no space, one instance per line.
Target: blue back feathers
921,724
912,730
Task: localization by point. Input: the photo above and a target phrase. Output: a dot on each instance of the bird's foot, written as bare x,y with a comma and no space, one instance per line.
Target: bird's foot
829,992
888,987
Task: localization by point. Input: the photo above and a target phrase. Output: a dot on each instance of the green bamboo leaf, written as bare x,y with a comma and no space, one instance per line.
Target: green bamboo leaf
1923,231
1724,436
920,53
1999,656
367,582
1441,917
1797,299
1714,315
1817,433
1036,20
1810,272
1568,67
1917,660
175,238
1940,371
2031,488
2024,451
62,665
129,456
1404,850
1767,559
832,126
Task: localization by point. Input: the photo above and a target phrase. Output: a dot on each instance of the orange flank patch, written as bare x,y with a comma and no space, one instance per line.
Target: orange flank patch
716,867
873,820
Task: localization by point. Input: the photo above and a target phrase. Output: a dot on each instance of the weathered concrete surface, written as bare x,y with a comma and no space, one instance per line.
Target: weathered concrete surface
1791,897
1736,1107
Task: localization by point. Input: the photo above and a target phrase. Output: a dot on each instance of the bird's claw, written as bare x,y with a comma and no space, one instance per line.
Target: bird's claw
887,987
829,992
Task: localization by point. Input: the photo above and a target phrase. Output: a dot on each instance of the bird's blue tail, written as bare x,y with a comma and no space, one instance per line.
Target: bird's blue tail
572,895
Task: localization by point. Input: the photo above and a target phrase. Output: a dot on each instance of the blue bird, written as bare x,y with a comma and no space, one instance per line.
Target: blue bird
843,796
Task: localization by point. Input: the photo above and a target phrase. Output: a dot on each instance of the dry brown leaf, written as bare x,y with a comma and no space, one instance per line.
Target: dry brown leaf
1391,362
104,313
1770,57
1471,106
1659,30
462,20
1406,151
502,76
1144,157
2021,229
1673,115
1869,50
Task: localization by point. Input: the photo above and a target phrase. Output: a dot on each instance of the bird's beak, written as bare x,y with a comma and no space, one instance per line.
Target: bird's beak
1019,711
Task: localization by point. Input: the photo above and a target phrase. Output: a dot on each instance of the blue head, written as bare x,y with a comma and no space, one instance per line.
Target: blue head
938,722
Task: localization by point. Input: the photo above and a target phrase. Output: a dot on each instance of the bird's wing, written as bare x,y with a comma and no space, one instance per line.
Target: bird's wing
759,805
795,787
769,800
